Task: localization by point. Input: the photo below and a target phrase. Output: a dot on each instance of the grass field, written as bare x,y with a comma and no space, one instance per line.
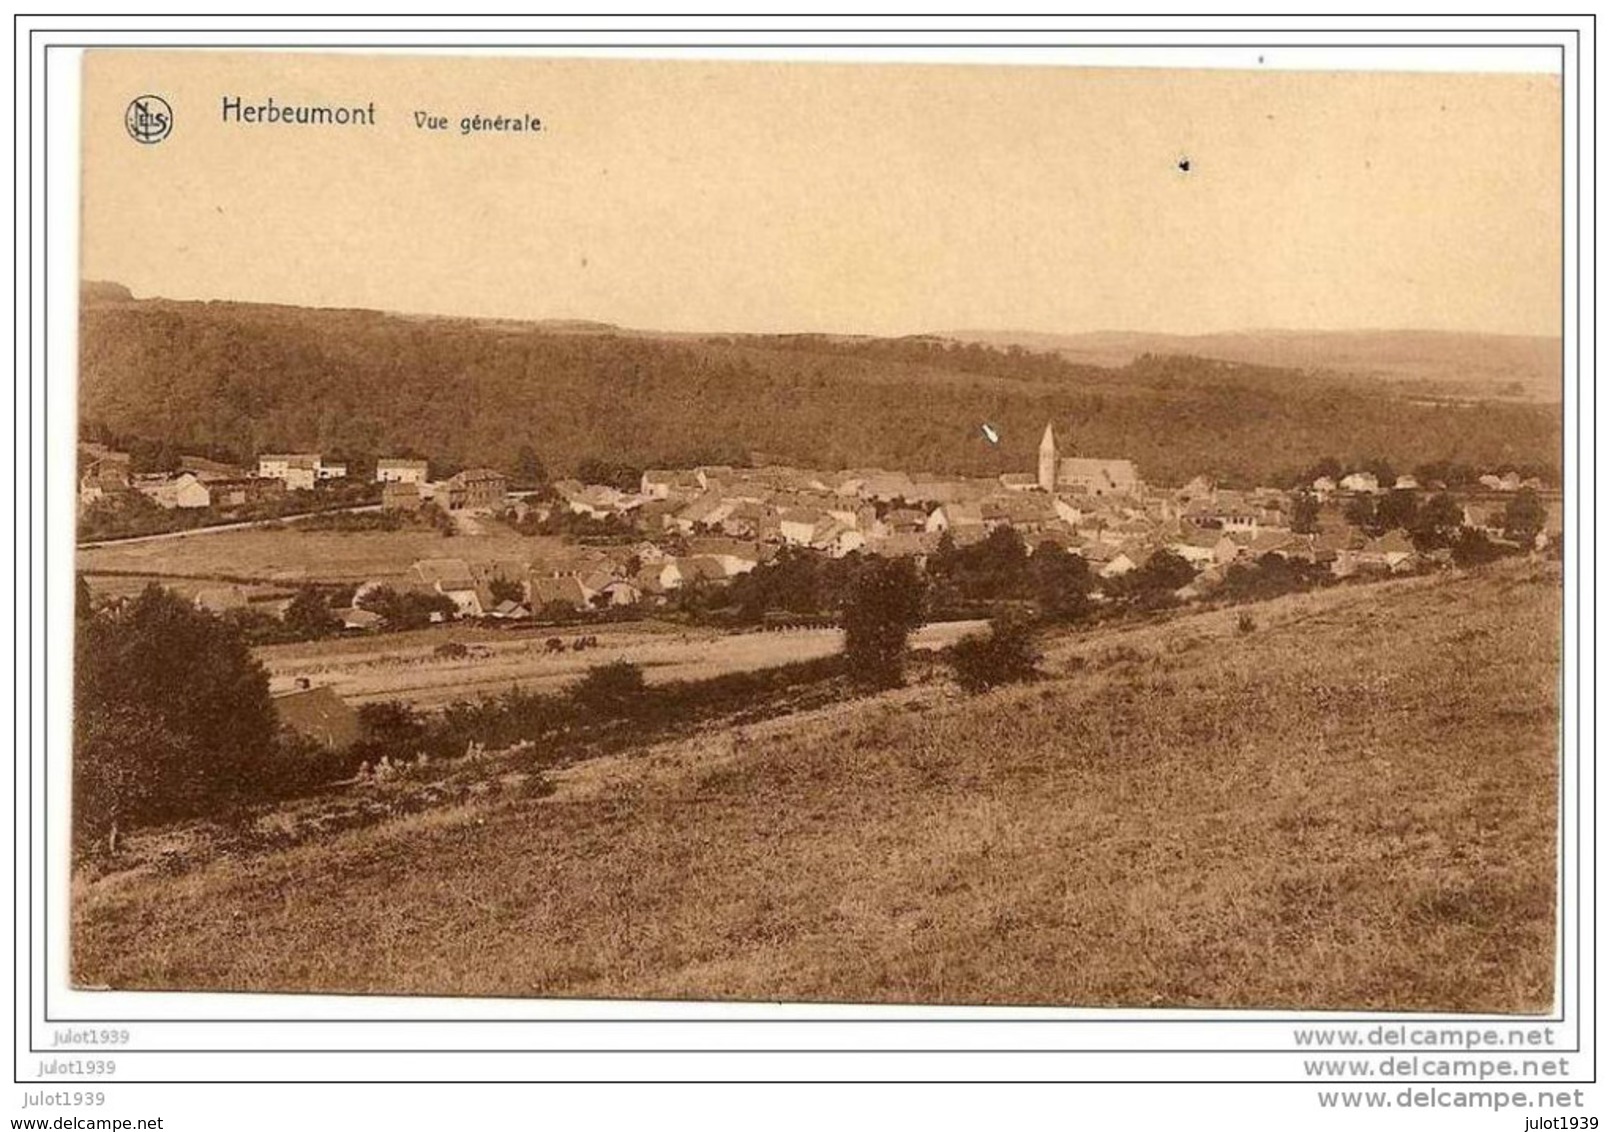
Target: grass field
1351,806
289,554
404,666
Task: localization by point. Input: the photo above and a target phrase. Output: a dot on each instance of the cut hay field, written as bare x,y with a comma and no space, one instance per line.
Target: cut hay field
289,554
405,666
1351,806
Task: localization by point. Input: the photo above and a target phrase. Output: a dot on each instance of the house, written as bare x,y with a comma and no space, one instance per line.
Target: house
182,491
104,474
1206,547
674,573
1324,488
917,546
320,715
1118,565
510,610
1488,518
391,469
706,511
453,579
477,489
954,516
620,592
361,619
888,486
228,494
798,527
740,518
400,495
1363,483
837,538
543,591
659,483
1231,511
735,555
1020,481
1392,551
299,470
326,471
1406,483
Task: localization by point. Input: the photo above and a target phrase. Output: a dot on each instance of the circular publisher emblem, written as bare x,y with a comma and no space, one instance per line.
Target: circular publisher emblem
149,119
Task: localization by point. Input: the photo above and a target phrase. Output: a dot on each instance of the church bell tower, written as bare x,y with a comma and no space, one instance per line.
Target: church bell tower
1048,460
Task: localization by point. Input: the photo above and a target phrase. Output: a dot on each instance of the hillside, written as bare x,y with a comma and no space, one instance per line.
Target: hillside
1351,807
1509,366
242,378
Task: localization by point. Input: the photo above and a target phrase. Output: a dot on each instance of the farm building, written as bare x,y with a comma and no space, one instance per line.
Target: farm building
320,715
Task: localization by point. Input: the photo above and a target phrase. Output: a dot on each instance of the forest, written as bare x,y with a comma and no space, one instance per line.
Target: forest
245,378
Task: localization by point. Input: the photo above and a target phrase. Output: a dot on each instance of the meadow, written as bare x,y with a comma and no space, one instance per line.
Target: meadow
1346,802
407,667
291,555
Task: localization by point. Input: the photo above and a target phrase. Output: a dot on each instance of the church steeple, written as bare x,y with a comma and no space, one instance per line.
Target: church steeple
1048,459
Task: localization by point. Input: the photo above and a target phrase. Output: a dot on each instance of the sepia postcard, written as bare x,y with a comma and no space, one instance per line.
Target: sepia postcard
818,532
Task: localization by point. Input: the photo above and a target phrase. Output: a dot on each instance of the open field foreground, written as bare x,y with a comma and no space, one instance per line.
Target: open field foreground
292,555
1351,806
406,667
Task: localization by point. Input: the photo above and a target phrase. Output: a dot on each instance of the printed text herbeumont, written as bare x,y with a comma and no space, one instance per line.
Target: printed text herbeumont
270,112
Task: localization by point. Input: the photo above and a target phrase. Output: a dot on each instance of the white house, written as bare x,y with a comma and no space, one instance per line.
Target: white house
391,470
299,470
1364,482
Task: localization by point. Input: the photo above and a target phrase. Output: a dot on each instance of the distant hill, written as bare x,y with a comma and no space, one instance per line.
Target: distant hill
243,378
1463,365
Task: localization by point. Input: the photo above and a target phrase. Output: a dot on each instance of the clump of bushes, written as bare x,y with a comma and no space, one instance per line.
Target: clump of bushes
1245,623
615,688
1005,655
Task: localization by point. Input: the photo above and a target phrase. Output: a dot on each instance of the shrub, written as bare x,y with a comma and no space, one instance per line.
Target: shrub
1245,623
612,689
1006,655
452,650
884,606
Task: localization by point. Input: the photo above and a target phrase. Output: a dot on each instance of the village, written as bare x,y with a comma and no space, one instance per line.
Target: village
636,546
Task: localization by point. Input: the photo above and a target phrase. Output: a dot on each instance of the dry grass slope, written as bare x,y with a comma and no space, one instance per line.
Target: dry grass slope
1351,807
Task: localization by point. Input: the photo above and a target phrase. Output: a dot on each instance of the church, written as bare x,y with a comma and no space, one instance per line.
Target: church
1084,475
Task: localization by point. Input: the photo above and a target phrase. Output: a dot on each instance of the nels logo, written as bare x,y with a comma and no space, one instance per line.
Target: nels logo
148,119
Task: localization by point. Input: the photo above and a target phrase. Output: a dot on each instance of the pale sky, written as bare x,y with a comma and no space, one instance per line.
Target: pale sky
858,198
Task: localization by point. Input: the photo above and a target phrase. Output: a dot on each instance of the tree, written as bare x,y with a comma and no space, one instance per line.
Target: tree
529,469
1438,523
309,617
1393,510
1163,573
1305,513
172,713
410,610
390,729
1473,548
1060,583
884,606
505,589
1005,655
1360,512
1524,517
